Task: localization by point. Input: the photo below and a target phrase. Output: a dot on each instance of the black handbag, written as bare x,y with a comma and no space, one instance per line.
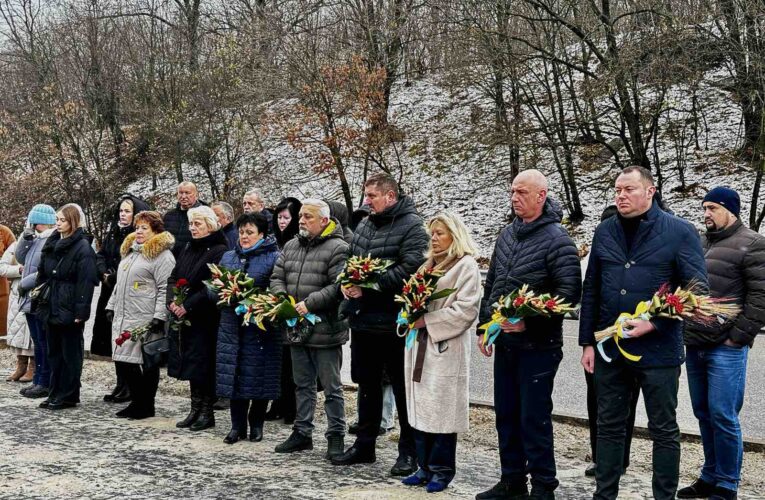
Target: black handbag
154,350
40,295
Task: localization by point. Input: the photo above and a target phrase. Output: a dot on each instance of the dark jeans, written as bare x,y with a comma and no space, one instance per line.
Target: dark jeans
436,455
239,414
142,383
40,339
523,385
716,379
659,387
371,354
65,354
592,417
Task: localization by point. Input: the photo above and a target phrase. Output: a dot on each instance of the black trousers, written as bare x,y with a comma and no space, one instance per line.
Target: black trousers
244,411
659,387
65,354
371,355
285,406
523,386
142,383
436,455
592,417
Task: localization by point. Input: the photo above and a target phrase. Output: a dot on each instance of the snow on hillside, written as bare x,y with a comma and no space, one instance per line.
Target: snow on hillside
446,166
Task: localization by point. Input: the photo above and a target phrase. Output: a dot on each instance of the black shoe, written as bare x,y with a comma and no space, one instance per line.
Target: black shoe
126,411
190,419
335,446
539,493
233,436
723,494
205,421
141,413
25,389
61,405
505,491
404,466
590,470
296,442
44,404
37,391
123,396
256,434
698,489
353,428
355,455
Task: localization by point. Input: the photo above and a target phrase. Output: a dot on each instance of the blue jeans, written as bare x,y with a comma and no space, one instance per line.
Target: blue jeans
716,378
40,339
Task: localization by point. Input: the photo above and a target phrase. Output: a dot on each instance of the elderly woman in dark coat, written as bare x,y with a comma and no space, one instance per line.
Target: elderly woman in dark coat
249,359
107,260
285,226
192,345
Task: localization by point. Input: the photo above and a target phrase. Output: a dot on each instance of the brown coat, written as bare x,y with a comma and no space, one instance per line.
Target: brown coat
6,239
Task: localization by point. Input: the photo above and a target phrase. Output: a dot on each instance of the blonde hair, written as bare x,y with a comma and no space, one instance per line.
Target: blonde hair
206,214
462,242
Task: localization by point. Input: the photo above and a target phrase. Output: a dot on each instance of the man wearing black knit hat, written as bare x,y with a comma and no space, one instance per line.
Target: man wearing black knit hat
717,354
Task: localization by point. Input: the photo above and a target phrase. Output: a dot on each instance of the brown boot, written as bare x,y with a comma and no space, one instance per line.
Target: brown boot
21,369
30,374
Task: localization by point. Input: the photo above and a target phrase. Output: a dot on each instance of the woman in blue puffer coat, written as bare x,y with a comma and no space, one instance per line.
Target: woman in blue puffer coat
249,360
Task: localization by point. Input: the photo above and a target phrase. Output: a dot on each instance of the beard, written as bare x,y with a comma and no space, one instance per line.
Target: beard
304,233
710,225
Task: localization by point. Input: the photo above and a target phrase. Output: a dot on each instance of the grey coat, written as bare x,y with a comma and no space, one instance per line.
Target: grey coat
140,291
307,269
18,332
29,253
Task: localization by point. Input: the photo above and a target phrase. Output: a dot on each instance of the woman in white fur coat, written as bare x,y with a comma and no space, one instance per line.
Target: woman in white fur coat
437,383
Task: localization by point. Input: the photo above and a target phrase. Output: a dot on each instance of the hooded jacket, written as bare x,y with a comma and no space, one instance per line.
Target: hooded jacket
542,255
140,291
108,255
293,206
397,234
735,259
307,269
29,253
340,212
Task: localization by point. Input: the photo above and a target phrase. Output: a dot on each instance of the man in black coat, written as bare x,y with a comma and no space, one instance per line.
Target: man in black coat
717,353
393,231
176,220
632,256
534,250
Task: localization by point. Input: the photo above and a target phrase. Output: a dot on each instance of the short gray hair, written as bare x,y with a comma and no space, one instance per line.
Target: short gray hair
320,205
257,193
206,214
228,210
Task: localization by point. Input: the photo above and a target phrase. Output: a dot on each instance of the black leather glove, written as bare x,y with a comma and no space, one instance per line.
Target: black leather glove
157,325
28,234
109,316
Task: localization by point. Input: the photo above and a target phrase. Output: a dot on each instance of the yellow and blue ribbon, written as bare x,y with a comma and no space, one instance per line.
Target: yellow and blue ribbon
494,327
641,312
411,332
310,317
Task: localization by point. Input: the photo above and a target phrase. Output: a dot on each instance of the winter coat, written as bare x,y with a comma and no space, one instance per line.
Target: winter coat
69,265
396,234
249,360
439,402
6,240
140,292
108,256
665,250
29,254
735,259
340,212
192,350
18,333
542,255
293,206
307,269
177,223
232,235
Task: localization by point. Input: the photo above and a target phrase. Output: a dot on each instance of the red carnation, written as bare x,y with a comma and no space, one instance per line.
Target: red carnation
355,275
519,301
365,267
418,276
406,289
551,304
181,282
675,302
421,288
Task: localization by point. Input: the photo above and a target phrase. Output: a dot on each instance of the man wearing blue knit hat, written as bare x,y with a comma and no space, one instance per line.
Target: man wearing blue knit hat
716,355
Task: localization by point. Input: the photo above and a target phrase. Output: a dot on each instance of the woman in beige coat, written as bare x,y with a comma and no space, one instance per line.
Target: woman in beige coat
18,338
437,396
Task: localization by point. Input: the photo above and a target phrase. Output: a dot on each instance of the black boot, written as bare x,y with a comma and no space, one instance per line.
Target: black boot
505,490
120,386
255,419
335,446
194,413
233,436
206,418
356,455
296,442
698,489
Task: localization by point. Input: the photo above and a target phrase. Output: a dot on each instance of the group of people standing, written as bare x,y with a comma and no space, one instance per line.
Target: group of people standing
152,271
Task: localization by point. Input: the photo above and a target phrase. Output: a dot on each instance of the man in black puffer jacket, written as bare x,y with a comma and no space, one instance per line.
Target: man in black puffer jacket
393,231
307,269
534,250
177,220
717,353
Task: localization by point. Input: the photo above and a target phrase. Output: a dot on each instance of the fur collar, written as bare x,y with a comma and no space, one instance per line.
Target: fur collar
152,248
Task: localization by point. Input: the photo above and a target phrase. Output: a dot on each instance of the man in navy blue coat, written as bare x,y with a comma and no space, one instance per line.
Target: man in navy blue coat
633,254
534,250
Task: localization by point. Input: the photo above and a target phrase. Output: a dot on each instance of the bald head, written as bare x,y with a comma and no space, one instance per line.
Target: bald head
528,194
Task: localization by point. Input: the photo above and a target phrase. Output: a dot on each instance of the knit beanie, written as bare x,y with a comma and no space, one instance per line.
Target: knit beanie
726,197
42,214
